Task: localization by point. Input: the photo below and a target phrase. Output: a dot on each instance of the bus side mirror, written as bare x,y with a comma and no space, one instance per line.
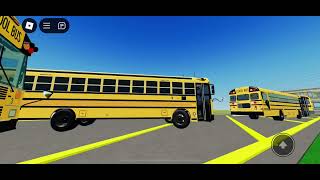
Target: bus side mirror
212,90
47,94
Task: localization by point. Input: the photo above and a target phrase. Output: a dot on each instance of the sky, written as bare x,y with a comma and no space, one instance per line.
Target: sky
278,53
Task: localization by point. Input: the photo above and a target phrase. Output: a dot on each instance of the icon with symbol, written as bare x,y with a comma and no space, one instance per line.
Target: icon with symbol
29,25
282,145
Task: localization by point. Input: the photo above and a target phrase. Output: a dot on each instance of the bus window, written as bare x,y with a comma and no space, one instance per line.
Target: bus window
124,86
43,83
189,88
152,87
177,88
243,97
94,85
109,85
164,87
61,84
138,86
232,98
77,84
28,82
254,96
264,96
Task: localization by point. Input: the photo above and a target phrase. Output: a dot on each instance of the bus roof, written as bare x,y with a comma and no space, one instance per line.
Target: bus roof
113,74
268,90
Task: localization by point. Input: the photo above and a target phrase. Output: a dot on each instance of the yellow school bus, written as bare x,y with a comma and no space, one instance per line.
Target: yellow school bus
307,107
256,101
15,47
68,98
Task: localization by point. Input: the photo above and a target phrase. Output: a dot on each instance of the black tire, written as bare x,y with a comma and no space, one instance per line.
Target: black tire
281,116
168,120
299,116
254,116
86,122
181,119
63,120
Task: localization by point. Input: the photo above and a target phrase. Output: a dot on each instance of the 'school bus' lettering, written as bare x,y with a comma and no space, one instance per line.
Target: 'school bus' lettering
11,31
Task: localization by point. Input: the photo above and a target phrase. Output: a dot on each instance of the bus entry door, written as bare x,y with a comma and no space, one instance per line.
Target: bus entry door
203,102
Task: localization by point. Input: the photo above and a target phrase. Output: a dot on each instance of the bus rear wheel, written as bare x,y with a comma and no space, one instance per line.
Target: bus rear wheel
181,119
254,116
299,116
86,122
63,120
280,117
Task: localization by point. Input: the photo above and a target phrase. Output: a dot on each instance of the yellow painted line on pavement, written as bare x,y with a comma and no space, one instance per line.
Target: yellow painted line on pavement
32,120
288,120
246,153
71,152
250,131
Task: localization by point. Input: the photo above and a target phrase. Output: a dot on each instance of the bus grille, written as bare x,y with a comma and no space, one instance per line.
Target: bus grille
1,110
3,92
244,105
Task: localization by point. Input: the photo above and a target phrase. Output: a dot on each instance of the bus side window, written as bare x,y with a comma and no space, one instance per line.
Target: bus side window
152,87
177,88
189,88
138,86
28,82
264,96
93,85
78,84
164,87
43,83
124,86
61,84
109,85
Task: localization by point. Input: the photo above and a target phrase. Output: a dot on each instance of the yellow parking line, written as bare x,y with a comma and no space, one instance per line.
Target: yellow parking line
246,153
288,120
250,131
32,120
71,152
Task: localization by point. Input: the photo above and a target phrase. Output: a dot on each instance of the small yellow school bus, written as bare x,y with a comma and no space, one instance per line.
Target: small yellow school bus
72,97
307,107
15,47
256,101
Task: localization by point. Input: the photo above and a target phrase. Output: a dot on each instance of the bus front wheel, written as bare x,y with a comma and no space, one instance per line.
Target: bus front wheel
254,116
63,120
181,119
86,122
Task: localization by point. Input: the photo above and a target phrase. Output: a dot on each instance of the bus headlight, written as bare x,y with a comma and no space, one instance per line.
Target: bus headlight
12,112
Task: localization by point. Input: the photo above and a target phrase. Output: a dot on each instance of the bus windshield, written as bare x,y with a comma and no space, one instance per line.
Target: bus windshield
243,97
14,65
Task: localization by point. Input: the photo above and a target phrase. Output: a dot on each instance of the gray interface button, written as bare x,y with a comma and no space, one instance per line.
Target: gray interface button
282,145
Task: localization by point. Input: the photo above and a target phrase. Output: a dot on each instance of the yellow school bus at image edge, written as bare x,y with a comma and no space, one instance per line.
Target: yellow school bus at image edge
82,97
15,47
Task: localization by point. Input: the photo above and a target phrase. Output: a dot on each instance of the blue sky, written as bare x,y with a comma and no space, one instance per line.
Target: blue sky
279,53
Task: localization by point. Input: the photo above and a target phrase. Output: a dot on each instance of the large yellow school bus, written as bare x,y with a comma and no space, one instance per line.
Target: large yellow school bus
73,97
15,47
256,101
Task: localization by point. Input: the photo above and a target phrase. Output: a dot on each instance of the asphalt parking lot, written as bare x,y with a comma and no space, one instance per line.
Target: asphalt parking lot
228,139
